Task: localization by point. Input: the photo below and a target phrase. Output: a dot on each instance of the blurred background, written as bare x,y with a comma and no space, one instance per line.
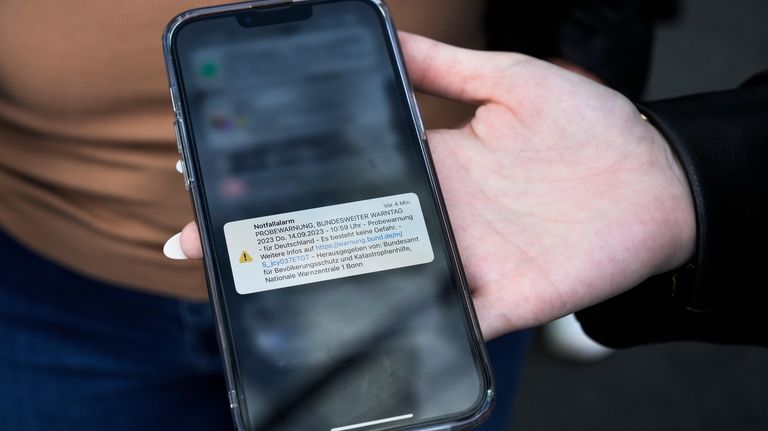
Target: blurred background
707,45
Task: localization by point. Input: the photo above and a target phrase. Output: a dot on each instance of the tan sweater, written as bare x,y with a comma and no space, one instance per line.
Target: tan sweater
87,151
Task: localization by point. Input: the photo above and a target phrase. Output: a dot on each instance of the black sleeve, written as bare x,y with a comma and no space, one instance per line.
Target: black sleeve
721,296
610,38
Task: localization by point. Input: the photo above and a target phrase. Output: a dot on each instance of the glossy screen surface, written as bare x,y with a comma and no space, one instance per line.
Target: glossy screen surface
300,135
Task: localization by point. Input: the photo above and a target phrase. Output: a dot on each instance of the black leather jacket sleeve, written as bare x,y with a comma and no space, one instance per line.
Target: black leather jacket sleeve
610,38
721,295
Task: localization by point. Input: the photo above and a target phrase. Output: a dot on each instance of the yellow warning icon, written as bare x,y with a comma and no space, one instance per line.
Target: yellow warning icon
245,257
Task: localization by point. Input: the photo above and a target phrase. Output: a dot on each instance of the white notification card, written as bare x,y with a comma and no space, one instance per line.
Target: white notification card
326,243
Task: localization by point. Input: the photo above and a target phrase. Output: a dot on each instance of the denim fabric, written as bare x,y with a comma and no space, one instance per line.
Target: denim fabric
77,354
507,354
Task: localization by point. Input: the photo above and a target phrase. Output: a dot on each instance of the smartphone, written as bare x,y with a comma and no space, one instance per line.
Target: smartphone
333,275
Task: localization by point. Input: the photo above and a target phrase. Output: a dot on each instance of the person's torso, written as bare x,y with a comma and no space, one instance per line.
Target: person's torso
87,151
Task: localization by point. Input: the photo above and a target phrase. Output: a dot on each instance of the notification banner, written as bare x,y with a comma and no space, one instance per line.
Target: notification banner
326,243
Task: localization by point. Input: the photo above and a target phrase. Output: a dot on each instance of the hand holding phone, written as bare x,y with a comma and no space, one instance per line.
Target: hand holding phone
450,72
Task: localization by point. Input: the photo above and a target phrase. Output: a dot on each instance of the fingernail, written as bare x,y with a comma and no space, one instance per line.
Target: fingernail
172,248
179,167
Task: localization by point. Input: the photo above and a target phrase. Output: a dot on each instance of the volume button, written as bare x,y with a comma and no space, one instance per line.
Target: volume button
181,168
174,100
178,136
419,122
184,158
233,399
182,165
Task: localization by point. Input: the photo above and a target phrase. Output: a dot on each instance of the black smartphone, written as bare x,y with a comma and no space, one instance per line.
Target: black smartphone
333,275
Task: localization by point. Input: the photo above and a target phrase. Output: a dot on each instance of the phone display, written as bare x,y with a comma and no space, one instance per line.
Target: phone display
336,286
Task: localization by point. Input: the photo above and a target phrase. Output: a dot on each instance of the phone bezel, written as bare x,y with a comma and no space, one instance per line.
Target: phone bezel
461,420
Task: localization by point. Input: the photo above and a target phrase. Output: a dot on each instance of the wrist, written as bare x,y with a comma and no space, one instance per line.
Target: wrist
680,225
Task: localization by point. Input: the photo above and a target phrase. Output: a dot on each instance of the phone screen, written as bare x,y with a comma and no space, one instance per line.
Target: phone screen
343,304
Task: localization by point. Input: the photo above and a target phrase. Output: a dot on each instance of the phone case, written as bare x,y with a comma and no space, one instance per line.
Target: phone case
235,396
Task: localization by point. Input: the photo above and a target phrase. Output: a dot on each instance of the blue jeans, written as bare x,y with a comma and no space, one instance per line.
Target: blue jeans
78,354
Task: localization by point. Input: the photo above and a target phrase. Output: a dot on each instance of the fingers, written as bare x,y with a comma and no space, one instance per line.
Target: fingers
456,73
185,244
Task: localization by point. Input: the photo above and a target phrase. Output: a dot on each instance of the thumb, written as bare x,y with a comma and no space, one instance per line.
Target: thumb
470,76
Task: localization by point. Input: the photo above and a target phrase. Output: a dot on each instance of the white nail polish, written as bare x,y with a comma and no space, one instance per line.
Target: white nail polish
179,167
172,248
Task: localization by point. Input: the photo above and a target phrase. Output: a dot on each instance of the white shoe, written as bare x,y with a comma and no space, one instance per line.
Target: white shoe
565,339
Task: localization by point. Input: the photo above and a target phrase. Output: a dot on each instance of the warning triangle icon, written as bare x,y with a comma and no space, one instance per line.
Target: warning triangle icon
245,257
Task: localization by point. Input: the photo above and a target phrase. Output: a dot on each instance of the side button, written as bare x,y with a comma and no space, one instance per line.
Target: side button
180,165
180,168
174,99
419,122
184,173
232,399
178,127
178,135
